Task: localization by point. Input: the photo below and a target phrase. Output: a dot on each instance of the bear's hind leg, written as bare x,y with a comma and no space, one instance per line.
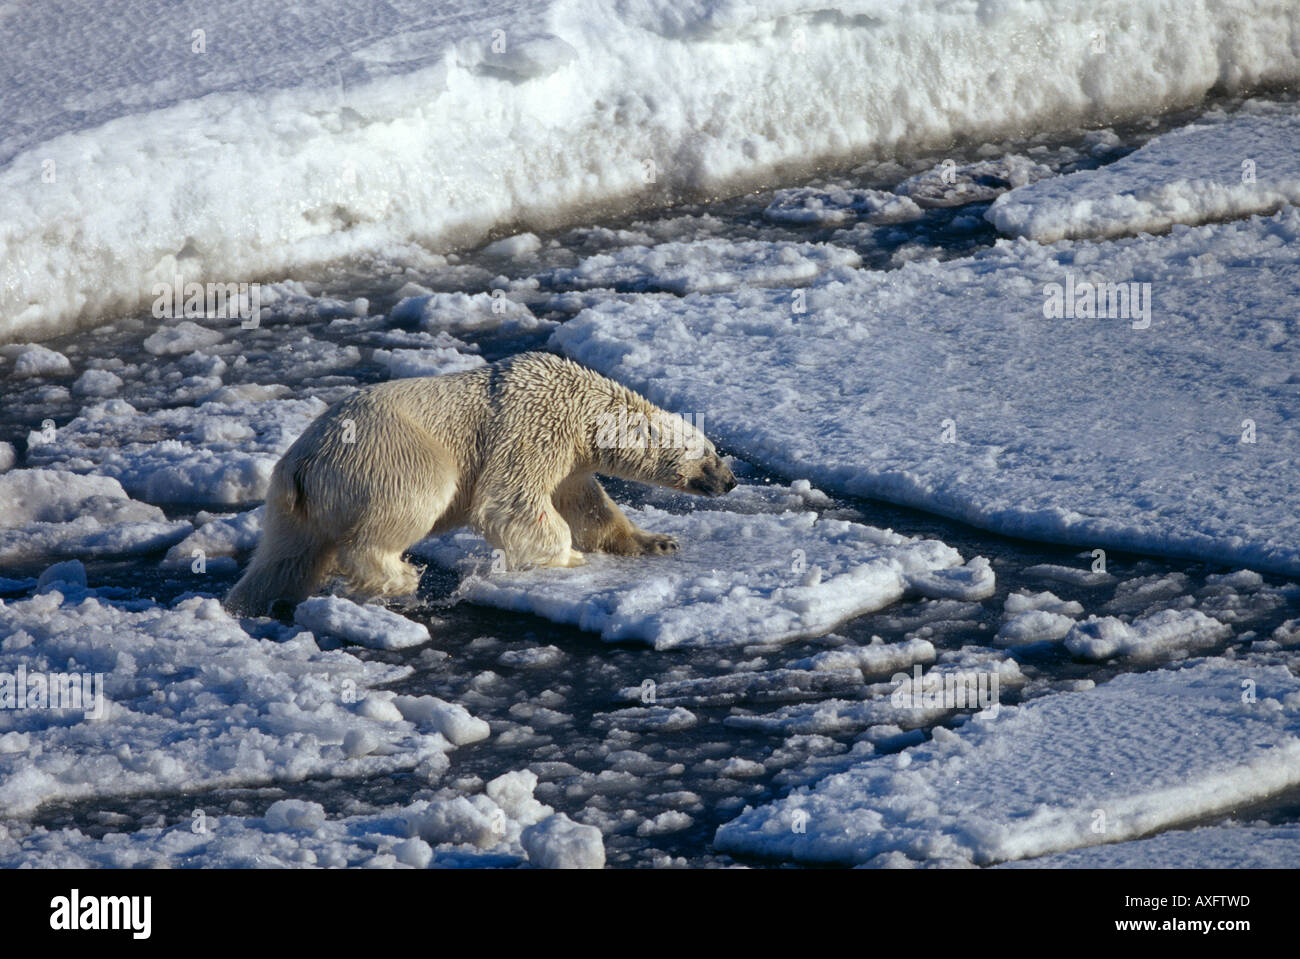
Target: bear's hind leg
377,573
402,501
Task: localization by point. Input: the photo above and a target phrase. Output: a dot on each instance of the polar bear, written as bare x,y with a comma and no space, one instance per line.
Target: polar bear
509,449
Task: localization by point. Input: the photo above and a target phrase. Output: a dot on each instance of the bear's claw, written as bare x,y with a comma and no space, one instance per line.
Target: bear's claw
655,544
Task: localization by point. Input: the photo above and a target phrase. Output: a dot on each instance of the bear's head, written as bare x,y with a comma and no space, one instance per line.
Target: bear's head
652,446
706,475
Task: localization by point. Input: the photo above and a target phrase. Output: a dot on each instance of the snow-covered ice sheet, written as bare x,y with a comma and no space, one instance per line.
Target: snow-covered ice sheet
54,514
185,698
1233,846
503,826
130,155
737,578
945,386
1222,169
1137,754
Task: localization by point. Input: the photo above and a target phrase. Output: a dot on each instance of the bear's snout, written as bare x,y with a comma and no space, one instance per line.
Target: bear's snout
715,479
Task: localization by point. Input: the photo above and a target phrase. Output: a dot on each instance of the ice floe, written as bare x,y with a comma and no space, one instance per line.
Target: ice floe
183,698
837,205
1139,753
366,625
1219,170
1036,617
737,578
32,359
217,452
951,184
50,514
218,540
503,826
966,399
1233,846
464,313
702,266
1161,634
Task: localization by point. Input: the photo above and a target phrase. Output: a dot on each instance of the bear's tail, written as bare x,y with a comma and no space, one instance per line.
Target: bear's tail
289,562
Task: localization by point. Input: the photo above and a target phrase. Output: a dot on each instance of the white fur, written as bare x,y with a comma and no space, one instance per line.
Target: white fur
509,449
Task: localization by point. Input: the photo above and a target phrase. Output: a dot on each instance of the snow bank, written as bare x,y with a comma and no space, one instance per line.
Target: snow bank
190,700
48,514
243,140
1025,781
1242,165
737,578
1175,437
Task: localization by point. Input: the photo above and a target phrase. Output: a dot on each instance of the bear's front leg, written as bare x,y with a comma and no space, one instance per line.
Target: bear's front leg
598,525
513,508
531,534
649,544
